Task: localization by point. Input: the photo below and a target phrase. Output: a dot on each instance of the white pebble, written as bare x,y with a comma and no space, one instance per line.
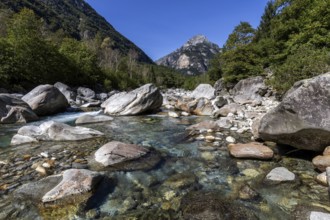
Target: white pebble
44,154
230,139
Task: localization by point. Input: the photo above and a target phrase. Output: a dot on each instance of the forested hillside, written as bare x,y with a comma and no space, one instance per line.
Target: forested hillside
31,53
292,42
76,19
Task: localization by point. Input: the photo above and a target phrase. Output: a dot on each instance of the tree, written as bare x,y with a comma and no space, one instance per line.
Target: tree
242,34
264,28
215,72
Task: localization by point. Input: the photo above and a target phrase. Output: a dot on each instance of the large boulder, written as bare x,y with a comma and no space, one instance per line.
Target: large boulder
115,152
144,99
46,100
53,131
15,110
69,94
203,91
249,90
302,119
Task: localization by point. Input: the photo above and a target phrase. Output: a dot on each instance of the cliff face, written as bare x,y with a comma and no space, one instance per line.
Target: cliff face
193,57
77,19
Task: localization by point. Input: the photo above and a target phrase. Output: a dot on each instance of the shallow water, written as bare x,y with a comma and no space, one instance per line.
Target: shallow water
187,168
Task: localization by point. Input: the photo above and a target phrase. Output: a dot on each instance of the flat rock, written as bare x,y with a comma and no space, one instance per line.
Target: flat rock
115,152
87,119
321,162
75,181
53,131
280,174
144,99
302,119
18,139
253,150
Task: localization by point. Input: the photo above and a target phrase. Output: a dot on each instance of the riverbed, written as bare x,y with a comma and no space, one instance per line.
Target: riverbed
184,179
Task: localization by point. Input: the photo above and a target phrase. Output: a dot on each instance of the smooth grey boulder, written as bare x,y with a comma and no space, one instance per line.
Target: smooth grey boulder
302,119
53,131
249,90
86,92
75,181
15,110
203,91
280,174
115,152
87,119
144,99
46,100
69,94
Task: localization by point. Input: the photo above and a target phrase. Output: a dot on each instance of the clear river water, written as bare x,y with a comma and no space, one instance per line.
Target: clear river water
182,179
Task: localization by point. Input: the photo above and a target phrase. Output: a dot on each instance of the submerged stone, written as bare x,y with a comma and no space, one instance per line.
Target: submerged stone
115,152
75,181
253,150
280,174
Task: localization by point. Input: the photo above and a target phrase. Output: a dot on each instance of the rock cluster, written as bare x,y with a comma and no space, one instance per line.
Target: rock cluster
15,110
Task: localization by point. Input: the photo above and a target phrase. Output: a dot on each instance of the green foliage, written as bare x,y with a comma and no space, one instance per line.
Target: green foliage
215,72
240,58
242,35
82,62
305,62
293,40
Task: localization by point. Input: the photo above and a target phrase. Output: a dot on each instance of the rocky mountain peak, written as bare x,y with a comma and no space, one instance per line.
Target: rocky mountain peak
198,39
193,57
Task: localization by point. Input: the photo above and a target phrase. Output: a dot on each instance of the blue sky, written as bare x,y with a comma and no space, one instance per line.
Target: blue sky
160,26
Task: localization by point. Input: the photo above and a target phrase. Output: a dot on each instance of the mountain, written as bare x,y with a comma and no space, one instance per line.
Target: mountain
193,57
77,19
